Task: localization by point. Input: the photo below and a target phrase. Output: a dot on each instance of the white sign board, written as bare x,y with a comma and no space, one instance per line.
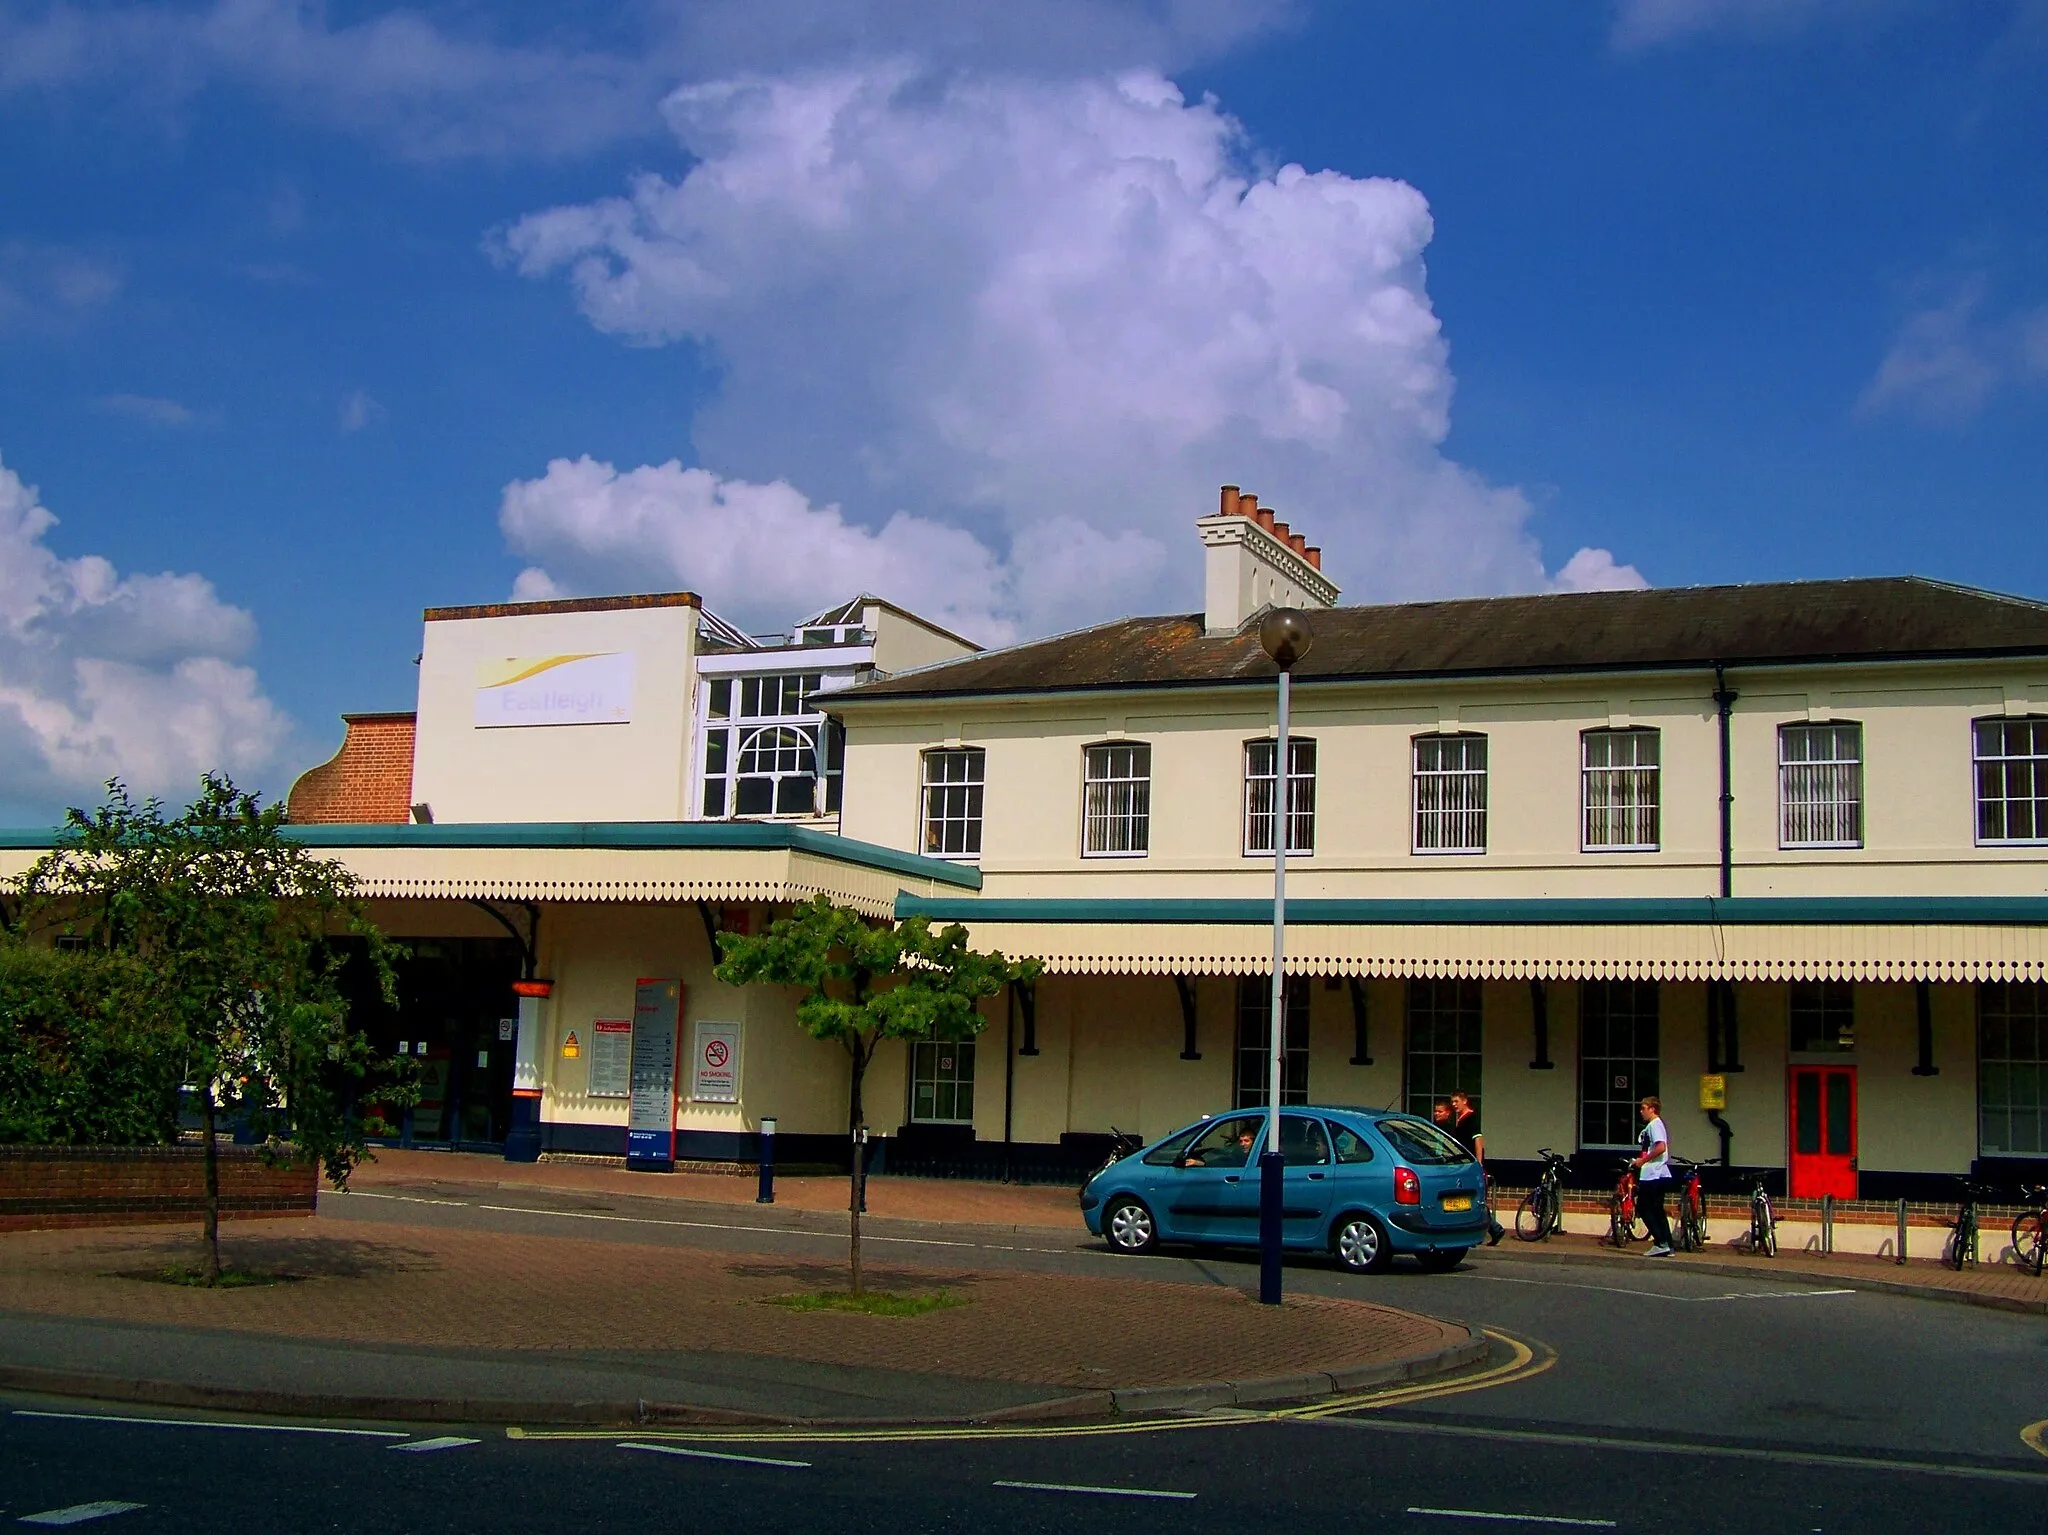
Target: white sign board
611,1058
589,689
716,1074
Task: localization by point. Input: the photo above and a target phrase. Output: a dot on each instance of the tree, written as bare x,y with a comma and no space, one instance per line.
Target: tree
84,1061
867,981
235,932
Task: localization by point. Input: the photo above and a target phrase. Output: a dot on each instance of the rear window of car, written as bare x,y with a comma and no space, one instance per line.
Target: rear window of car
1351,1146
1422,1142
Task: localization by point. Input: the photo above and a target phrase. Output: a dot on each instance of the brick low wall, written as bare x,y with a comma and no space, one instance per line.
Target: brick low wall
42,1187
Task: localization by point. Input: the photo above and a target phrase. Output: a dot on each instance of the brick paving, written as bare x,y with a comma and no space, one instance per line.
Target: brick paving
397,1283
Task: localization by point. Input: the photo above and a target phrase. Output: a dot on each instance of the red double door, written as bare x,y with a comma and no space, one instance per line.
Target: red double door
1821,1117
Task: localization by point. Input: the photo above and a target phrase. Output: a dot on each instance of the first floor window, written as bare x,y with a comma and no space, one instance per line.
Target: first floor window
1823,1016
942,1081
1617,1059
767,751
1450,794
1820,785
1619,775
952,801
1259,757
2012,1069
2012,780
1443,1043
1116,800
1255,1041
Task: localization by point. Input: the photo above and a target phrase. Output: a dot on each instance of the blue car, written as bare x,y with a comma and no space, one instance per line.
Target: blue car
1362,1184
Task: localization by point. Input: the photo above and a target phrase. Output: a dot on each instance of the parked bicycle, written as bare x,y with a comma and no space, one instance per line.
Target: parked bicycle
1689,1219
1541,1212
1761,1240
1962,1231
1121,1144
2030,1228
1622,1225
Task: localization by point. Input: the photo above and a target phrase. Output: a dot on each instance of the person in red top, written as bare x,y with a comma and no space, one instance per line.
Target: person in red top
1464,1129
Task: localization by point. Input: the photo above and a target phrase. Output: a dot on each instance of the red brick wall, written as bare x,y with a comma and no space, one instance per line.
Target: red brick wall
368,781
48,1186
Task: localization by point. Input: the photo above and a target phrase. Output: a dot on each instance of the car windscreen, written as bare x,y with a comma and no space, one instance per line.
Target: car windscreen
1422,1142
1169,1151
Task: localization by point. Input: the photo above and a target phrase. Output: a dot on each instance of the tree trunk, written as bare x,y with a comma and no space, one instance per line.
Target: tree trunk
858,1179
212,1195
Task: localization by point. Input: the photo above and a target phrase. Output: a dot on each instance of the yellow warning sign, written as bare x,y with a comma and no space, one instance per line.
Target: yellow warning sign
571,1046
1713,1092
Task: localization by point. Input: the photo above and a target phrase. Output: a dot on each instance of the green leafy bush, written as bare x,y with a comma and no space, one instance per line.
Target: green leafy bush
84,1060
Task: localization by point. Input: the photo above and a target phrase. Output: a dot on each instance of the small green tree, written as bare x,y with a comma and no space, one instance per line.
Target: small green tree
234,932
864,982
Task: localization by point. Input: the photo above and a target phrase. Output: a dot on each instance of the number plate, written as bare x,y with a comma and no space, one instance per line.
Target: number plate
1457,1201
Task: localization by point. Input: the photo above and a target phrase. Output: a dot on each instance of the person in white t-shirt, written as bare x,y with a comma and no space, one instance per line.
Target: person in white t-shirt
1653,1176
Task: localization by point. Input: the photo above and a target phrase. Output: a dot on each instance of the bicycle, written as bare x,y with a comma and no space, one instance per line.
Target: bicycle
1541,1212
1689,1220
1622,1225
2030,1228
1761,1241
1962,1232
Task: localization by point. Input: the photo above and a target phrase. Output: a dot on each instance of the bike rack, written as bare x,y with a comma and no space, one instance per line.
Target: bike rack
1827,1225
1899,1247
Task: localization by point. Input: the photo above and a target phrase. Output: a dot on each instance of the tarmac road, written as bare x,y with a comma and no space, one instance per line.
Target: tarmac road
1675,1402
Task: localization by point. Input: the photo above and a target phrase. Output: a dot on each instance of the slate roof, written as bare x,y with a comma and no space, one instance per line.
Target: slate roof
1884,618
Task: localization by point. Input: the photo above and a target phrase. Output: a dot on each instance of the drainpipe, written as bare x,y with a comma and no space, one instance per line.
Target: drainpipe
1724,700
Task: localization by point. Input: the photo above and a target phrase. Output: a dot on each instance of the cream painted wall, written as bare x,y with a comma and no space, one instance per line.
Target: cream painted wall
626,772
1919,813
903,641
1908,1123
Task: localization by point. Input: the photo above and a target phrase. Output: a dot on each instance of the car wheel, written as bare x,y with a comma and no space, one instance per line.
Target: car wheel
1129,1226
1361,1244
1441,1262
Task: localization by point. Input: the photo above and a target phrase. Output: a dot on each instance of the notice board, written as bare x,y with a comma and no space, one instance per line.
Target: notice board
651,1117
611,1058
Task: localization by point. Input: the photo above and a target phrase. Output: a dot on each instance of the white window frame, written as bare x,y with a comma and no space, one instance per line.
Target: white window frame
1301,796
1099,794
2002,762
925,1055
1435,788
1626,797
1799,808
948,803
739,730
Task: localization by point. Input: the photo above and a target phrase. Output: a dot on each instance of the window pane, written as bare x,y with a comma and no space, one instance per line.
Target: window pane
1450,793
1255,1041
1443,1044
1116,799
1618,1058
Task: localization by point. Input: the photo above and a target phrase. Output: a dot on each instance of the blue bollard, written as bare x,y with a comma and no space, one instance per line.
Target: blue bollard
767,1194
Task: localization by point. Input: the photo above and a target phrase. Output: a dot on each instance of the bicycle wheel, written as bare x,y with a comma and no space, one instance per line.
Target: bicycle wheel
1532,1216
1621,1221
1960,1233
1763,1228
2029,1240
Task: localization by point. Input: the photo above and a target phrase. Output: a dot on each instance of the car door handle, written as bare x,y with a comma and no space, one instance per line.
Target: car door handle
1230,1177
1315,1175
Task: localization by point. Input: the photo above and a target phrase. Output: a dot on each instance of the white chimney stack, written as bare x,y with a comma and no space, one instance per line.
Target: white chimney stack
1255,563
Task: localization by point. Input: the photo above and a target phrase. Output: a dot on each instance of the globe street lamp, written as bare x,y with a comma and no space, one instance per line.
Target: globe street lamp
1284,634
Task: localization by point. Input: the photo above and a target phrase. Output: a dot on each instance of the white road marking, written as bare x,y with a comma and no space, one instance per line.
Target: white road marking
744,1460
1107,1492
407,1199
445,1442
776,1231
251,1428
1681,1447
78,1513
1691,1300
1475,1513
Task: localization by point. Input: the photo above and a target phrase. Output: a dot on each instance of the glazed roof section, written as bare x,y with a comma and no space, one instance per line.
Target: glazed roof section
1876,619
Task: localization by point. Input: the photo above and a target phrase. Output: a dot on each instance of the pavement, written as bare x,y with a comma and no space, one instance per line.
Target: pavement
389,1312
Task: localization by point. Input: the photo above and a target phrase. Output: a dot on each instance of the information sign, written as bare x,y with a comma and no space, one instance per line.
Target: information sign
611,1058
717,1069
651,1117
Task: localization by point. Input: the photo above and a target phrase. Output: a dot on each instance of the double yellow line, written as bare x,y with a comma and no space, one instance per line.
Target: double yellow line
1524,1361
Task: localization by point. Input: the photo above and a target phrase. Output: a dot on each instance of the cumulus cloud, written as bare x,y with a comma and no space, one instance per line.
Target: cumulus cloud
1596,570
105,675
1951,358
1052,314
438,86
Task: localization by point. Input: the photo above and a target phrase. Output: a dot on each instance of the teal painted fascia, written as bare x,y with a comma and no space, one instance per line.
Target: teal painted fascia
622,836
1750,911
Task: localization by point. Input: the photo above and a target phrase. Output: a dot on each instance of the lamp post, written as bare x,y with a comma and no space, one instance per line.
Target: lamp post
1286,637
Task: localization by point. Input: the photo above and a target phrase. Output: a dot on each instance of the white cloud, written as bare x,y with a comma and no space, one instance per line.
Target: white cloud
1595,570
1950,359
42,285
433,88
359,410
1047,318
153,409
103,674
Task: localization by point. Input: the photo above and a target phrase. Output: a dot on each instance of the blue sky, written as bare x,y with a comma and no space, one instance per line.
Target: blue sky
310,318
